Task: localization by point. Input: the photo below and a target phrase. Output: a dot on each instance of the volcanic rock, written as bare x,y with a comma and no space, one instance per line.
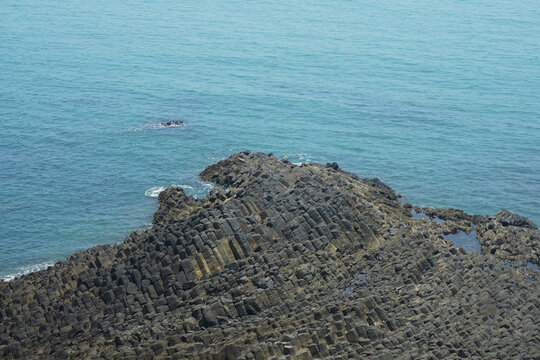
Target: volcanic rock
172,123
507,218
285,261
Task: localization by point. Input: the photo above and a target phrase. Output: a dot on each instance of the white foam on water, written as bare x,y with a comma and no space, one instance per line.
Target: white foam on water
299,158
186,187
27,270
154,191
163,125
198,190
201,189
207,185
146,226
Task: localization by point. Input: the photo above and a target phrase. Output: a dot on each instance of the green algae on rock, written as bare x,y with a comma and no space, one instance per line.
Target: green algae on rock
283,260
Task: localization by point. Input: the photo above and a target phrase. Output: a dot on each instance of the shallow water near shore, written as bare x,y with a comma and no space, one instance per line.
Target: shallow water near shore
437,99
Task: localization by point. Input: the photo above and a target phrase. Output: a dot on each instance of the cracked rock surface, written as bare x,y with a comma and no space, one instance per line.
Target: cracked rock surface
286,261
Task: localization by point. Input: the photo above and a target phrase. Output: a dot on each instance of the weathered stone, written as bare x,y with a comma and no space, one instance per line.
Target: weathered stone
297,261
507,218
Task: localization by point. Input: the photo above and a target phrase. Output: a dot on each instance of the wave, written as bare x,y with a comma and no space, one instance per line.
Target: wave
301,158
198,190
204,189
186,187
154,191
27,270
168,124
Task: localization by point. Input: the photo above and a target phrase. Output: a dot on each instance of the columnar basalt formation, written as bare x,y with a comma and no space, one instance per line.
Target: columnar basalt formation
286,261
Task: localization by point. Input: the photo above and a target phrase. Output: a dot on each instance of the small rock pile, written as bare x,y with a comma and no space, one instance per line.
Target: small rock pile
172,123
286,261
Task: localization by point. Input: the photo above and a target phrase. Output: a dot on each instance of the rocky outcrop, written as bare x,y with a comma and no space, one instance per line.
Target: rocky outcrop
285,261
507,218
171,123
513,239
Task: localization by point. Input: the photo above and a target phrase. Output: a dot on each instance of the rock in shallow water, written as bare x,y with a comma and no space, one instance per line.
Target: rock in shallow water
172,123
258,268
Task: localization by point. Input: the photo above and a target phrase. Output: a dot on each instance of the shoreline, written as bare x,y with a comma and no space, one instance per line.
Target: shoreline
153,192
274,247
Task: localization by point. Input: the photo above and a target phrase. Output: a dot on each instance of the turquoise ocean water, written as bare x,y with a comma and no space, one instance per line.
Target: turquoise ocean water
439,99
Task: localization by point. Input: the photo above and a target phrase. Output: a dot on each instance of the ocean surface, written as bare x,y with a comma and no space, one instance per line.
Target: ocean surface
439,99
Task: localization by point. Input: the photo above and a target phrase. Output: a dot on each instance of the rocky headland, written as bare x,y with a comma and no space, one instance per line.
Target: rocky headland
287,261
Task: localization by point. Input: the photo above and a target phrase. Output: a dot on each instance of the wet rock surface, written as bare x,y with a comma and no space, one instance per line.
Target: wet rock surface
172,123
286,261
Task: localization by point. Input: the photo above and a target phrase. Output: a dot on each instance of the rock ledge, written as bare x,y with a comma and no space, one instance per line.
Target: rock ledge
286,261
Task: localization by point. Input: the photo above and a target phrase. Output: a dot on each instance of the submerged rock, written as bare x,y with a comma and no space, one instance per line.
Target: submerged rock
283,260
172,123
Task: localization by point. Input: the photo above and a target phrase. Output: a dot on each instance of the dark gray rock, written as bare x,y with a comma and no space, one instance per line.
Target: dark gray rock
268,266
172,123
507,218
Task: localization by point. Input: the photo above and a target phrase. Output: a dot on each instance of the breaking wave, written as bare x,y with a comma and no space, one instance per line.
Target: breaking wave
154,191
27,270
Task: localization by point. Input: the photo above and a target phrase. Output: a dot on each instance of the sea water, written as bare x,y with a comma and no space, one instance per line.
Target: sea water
439,99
